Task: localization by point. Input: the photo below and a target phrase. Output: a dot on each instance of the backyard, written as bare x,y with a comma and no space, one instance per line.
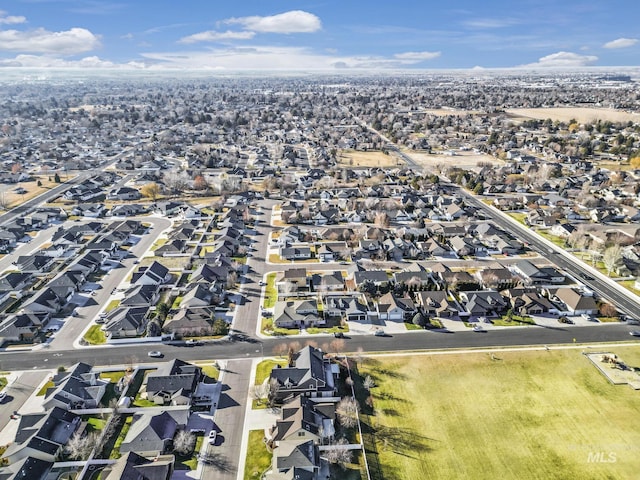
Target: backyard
505,415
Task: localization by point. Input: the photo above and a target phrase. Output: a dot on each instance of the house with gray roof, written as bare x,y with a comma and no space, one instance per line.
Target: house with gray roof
297,314
126,321
131,466
77,387
309,374
43,435
151,433
173,383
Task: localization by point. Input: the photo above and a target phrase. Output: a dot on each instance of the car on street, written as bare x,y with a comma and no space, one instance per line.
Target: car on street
635,333
586,276
155,354
338,335
3,395
191,343
378,332
262,283
478,328
213,434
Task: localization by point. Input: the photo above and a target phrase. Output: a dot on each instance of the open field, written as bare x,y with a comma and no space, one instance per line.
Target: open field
13,199
462,159
353,158
582,115
513,415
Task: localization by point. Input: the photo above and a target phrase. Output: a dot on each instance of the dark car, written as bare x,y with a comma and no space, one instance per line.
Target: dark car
338,335
586,276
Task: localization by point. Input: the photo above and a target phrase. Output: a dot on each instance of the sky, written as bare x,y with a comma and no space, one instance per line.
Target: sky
333,35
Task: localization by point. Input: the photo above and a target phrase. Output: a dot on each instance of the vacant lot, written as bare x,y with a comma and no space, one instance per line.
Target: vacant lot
582,115
462,159
13,199
518,415
353,158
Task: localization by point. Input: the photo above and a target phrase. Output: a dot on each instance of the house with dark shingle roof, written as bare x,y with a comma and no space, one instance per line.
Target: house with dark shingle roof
151,433
309,374
28,468
297,314
77,387
173,383
126,321
131,466
43,435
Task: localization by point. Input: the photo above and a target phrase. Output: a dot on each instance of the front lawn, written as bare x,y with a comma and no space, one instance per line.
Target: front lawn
95,336
258,457
510,415
270,291
263,369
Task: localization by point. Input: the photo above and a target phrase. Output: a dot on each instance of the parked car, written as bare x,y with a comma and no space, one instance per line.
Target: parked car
566,320
338,335
379,332
3,395
191,343
262,283
213,434
635,333
478,328
155,354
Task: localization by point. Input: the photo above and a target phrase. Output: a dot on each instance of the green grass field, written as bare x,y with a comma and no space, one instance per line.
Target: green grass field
522,415
258,457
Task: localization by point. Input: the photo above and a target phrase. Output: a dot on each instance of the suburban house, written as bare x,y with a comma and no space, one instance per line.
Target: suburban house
42,435
393,308
486,303
295,253
345,307
190,321
22,327
527,301
126,322
78,387
131,466
303,419
173,383
154,274
295,460
297,314
436,303
309,374
152,433
37,469
535,275
575,302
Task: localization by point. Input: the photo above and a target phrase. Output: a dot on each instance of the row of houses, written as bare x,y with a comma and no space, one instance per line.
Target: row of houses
41,438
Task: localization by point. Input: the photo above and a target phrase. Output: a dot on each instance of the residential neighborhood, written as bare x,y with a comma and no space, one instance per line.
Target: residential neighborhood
199,285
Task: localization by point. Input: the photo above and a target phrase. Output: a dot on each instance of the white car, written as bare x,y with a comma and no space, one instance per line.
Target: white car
379,333
478,328
155,354
212,437
3,395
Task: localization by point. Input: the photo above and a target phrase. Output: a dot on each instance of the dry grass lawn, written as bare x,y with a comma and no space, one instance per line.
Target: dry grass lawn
467,160
353,158
522,415
582,115
33,190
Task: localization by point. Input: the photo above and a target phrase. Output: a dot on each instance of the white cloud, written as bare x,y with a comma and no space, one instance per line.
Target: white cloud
127,36
69,42
294,21
45,61
491,22
621,43
10,19
563,59
213,36
416,56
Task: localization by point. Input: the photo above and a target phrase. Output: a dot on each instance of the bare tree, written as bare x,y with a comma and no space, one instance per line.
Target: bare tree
611,257
184,442
338,454
347,412
79,446
368,383
273,387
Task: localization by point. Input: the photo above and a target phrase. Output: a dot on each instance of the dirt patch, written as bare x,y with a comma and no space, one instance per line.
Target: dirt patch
31,190
582,115
353,158
462,159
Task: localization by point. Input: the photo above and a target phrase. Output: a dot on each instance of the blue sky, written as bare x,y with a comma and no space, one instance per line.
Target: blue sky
319,35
